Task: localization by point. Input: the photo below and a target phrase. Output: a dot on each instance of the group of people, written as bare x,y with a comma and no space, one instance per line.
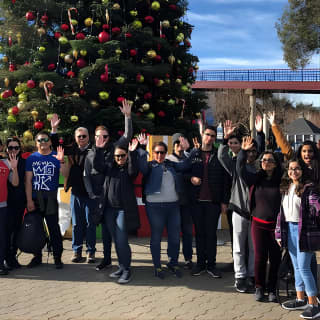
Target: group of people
269,204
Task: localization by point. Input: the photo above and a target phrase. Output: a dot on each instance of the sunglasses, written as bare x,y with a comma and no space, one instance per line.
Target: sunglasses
159,152
81,136
267,160
13,148
105,136
43,140
120,156
210,135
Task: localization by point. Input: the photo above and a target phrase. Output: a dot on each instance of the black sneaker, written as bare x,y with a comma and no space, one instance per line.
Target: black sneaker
188,265
58,262
159,273
116,274
295,304
241,285
259,294
272,297
13,263
125,276
198,270
175,270
3,270
251,283
103,265
214,272
311,312
36,261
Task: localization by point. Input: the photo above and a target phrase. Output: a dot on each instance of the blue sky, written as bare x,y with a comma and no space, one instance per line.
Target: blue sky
240,34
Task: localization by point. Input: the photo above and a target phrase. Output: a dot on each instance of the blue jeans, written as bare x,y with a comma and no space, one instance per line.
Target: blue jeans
3,238
304,279
186,229
160,215
82,224
115,220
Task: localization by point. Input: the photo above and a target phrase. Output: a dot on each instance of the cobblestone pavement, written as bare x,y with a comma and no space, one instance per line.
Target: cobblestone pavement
80,292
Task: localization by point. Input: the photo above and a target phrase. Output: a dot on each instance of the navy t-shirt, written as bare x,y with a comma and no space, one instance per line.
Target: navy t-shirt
45,170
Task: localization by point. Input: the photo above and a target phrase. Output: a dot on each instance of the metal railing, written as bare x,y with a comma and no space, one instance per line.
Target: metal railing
300,75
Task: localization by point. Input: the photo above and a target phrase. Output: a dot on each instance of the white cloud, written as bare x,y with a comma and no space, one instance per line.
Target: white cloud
246,1
212,18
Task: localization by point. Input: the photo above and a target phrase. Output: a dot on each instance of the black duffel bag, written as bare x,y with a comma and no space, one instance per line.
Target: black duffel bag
32,236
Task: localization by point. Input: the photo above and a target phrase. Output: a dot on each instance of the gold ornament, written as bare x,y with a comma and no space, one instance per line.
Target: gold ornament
151,54
21,105
41,84
6,82
68,58
19,37
171,59
94,104
34,114
41,31
88,22
5,59
75,53
28,135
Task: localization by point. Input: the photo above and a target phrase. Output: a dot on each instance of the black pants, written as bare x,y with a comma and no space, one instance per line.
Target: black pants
206,217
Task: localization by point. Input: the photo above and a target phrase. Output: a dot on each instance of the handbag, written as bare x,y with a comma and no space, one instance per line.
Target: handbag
31,237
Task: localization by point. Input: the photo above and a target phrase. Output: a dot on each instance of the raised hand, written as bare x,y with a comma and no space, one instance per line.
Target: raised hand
184,143
271,116
60,153
201,126
228,129
133,144
13,161
258,123
100,141
142,138
195,181
55,121
247,143
196,143
126,108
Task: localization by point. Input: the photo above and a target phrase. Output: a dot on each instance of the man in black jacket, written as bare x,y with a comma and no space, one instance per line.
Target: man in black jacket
211,196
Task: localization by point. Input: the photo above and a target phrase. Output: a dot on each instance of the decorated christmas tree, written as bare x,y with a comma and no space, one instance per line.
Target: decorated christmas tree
80,59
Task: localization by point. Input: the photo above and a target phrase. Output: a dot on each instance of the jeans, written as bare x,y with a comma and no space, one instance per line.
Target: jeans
107,242
206,217
82,224
304,279
242,247
186,229
115,220
3,244
265,247
160,215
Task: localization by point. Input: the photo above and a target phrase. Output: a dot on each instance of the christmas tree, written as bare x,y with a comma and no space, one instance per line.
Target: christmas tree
80,59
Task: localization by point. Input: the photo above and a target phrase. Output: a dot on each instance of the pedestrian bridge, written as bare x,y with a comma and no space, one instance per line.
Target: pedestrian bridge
286,80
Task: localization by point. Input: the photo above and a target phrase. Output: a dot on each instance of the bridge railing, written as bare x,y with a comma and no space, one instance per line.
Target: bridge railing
259,75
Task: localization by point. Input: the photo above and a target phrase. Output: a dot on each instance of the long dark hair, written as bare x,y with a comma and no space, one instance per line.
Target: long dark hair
277,171
15,139
312,174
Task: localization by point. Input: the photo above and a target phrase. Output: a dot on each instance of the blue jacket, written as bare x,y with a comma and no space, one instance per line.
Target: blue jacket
153,171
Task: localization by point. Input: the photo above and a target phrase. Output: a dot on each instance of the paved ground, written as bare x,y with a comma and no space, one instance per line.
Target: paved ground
80,292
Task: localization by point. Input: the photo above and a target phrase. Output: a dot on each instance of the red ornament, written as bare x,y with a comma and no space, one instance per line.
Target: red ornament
187,43
173,7
190,70
38,125
104,77
44,19
13,1
12,67
61,141
157,58
82,92
149,19
147,96
81,63
71,74
194,121
31,84
161,114
143,130
163,36
10,41
6,94
27,63
138,77
156,81
159,46
105,26
120,132
15,110
133,52
167,75
80,36
128,35
51,66
116,30
64,27
103,37
57,35
120,99
30,16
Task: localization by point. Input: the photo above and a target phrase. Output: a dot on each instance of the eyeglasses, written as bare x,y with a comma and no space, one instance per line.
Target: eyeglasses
294,169
43,140
210,135
120,156
267,160
81,136
159,152
13,148
105,136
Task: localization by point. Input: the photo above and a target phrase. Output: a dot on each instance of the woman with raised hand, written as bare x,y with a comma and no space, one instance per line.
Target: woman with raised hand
264,206
298,229
161,188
